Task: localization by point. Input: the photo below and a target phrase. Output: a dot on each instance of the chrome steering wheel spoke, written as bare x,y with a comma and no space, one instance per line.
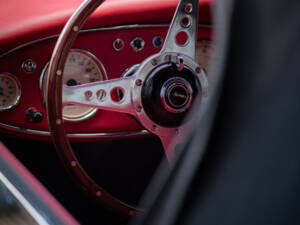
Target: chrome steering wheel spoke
125,94
112,95
172,138
182,34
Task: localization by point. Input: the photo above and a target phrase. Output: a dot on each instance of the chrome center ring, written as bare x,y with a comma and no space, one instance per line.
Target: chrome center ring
176,95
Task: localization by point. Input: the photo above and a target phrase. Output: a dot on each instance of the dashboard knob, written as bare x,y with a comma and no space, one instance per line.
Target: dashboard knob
34,115
29,66
137,44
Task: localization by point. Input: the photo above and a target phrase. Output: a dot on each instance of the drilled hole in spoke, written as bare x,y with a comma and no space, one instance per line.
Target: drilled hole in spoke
181,38
188,8
117,94
185,21
101,94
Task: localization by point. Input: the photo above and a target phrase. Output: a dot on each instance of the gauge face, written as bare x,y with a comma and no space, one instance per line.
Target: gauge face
10,91
204,54
81,67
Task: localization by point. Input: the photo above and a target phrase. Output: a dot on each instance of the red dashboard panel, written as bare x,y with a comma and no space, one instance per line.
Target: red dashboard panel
98,42
25,21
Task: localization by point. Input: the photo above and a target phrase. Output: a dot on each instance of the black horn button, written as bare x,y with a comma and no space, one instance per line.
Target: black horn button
176,95
167,94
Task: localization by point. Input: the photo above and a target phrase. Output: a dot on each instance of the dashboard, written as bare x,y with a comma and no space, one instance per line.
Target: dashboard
114,42
97,54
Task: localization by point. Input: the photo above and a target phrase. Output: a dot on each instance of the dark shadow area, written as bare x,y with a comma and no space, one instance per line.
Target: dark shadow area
123,167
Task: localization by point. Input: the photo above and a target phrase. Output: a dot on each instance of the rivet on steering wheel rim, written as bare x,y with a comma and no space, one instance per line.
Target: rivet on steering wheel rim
76,28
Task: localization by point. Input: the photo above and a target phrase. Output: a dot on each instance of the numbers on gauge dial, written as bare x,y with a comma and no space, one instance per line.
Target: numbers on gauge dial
10,91
81,67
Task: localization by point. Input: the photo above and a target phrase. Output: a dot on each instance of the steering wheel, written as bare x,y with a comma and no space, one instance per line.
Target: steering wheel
159,94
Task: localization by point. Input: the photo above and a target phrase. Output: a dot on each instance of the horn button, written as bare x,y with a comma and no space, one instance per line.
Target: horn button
176,95
168,94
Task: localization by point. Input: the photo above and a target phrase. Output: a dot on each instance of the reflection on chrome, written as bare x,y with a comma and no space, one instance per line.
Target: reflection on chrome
14,208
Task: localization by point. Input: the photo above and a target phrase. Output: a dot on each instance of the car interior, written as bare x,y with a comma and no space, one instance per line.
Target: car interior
149,112
113,147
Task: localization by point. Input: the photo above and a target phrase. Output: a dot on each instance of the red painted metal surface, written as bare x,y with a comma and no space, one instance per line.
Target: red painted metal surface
24,21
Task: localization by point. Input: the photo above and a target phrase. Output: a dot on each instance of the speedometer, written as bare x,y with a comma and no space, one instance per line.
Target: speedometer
81,67
10,91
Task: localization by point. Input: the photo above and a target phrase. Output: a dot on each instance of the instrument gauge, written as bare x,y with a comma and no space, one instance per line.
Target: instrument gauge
10,91
204,54
81,67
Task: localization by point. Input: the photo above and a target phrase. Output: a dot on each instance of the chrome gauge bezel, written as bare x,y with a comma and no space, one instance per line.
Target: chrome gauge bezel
101,68
18,91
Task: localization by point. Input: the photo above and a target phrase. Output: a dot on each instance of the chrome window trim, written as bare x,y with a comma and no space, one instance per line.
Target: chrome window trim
94,30
22,200
79,135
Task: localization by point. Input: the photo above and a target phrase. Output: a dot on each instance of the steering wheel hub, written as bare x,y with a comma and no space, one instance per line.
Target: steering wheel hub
168,93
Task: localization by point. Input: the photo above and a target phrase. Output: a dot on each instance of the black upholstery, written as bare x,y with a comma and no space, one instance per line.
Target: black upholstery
250,173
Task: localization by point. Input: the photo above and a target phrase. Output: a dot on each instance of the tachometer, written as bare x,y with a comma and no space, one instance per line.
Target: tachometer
81,67
204,54
10,91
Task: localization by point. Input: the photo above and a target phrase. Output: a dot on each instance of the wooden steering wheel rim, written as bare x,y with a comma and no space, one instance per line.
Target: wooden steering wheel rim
54,111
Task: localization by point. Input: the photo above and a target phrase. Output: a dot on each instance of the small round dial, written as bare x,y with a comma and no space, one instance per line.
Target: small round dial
204,54
81,67
10,91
